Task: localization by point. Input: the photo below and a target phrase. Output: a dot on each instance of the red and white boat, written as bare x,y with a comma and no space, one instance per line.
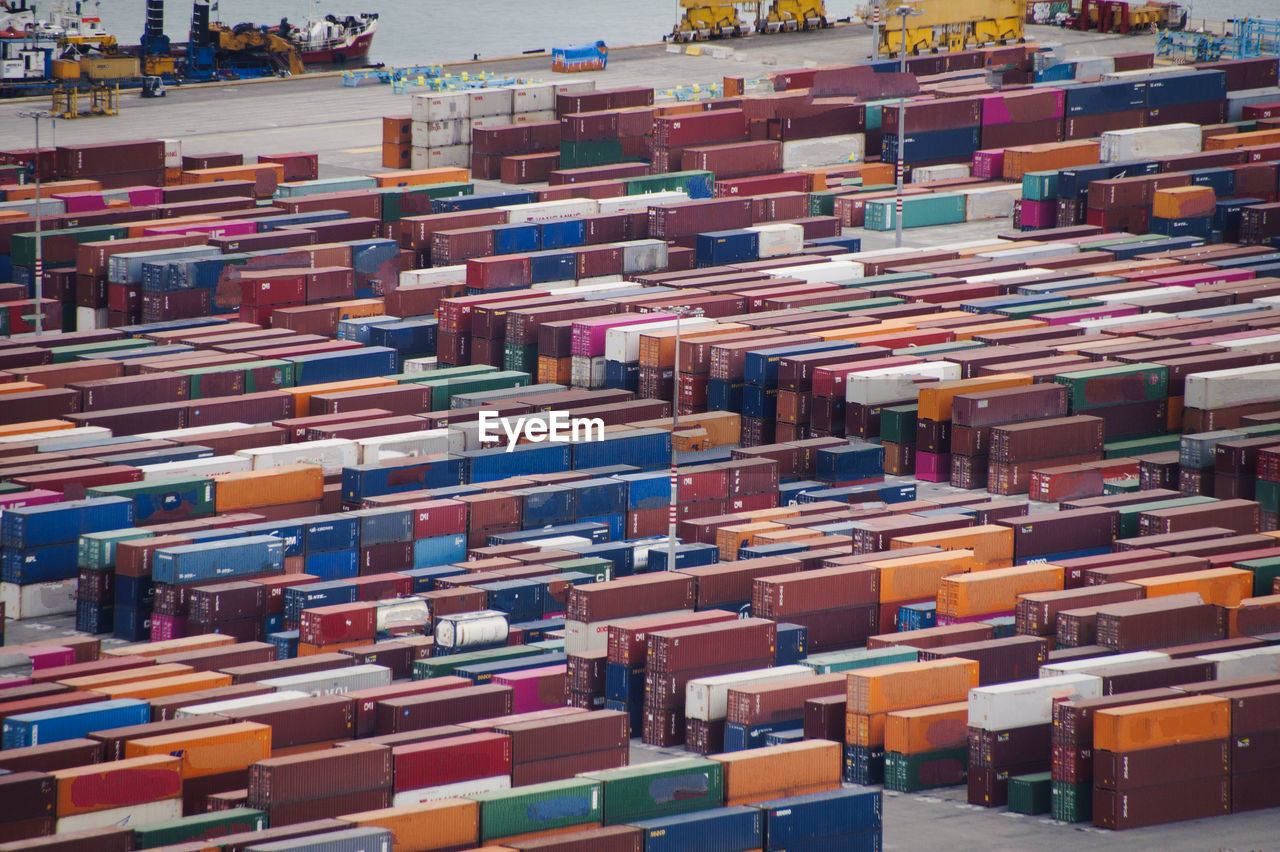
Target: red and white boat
332,40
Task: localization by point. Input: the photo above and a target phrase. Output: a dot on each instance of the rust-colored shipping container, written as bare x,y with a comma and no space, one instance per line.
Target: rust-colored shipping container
900,686
441,824
118,784
923,729
209,751
772,772
1162,723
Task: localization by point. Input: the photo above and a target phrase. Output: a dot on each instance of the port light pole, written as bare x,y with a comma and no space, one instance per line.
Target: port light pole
37,317
681,312
903,12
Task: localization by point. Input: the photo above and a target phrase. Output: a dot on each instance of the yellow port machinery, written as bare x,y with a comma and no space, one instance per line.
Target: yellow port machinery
791,15
249,40
702,21
952,25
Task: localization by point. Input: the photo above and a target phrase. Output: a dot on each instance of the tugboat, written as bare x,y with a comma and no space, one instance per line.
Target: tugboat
332,41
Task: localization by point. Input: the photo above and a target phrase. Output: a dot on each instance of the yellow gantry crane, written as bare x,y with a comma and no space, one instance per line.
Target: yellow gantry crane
953,25
703,20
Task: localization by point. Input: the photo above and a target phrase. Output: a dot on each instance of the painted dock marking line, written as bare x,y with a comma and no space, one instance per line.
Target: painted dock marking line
366,150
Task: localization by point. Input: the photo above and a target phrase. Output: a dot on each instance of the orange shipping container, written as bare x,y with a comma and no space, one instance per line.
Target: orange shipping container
916,577
899,686
169,646
295,483
129,675
118,784
266,176
306,649
420,177
209,751
27,191
772,772
442,824
991,545
1242,140
923,729
969,332
1218,586
303,393
730,538
658,348
1162,723
20,387
863,729
175,685
722,427
996,590
936,399
34,427
1183,202
1048,156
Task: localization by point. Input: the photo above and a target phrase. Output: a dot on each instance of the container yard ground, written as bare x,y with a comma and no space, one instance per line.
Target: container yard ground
343,125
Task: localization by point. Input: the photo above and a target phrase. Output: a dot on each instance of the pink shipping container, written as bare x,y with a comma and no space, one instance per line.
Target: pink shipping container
535,689
82,202
451,760
589,334
35,497
1023,107
1035,214
933,467
51,656
168,627
988,164
144,196
1099,312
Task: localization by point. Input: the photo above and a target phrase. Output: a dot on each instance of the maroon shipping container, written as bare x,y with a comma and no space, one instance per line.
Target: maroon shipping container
671,221
681,649
999,660
314,775
449,707
450,760
315,719
1009,405
1045,533
1048,438
1037,612
109,158
782,700
934,637
1140,676
824,718
628,643
562,735
114,839
1163,803
1150,567
1000,749
284,668
1242,516
52,756
629,596
1158,622
812,591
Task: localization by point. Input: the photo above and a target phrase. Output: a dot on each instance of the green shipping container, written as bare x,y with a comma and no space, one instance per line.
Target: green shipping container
393,206
1040,186
199,827
659,789
281,376
599,152
1265,572
445,373
823,202
832,662
1105,242
1141,446
97,551
908,773
936,348
170,498
1128,516
1071,802
601,568
443,390
918,211
1128,485
898,424
297,189
84,351
539,807
1031,794
445,664
669,182
1268,495
549,646
520,358
1113,385
1026,311
59,244
855,306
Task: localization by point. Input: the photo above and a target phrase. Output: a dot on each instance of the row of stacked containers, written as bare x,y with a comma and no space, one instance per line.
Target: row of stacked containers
257,457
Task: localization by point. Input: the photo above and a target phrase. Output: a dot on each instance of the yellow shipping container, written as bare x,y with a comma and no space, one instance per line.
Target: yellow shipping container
899,686
935,400
1138,727
996,590
66,69
923,729
1218,586
773,772
209,751
421,177
279,486
991,544
175,685
109,67
442,824
910,578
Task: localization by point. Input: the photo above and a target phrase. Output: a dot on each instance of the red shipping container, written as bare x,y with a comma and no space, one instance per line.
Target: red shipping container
275,287
506,272
451,760
327,625
697,128
296,166
366,700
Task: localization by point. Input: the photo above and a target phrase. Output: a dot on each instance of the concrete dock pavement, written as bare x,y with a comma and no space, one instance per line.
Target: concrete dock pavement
343,124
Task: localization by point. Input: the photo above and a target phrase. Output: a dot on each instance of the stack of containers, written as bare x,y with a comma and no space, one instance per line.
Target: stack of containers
1253,724
975,413
937,131
877,691
756,711
838,606
707,706
1017,449
926,747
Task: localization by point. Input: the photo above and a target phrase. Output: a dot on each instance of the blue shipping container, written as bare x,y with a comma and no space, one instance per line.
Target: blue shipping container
523,460
289,532
520,238
798,819
312,595
218,560
330,532
545,266
735,829
54,523
424,579
286,642
384,525
39,564
333,564
793,644
687,556
717,248
600,496
521,600
439,550
364,363
545,506
412,474
852,462
563,233
647,449
69,723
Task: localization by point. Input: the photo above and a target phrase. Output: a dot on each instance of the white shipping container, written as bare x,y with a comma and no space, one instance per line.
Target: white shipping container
50,206
333,681
824,151
1089,67
212,466
436,134
551,211
1238,386
1101,665
332,454
89,318
441,106
1112,322
130,817
1141,297
233,705
487,123
577,87
46,441
490,102
36,600
1238,100
643,256
942,171
533,97
989,202
597,285
1250,662
1027,702
642,202
534,116
172,153
831,272
421,365
707,698
895,384
193,431
1167,140
402,612
623,343
1029,253
1144,73
425,443
1249,342
456,156
449,791
437,275
996,277
779,239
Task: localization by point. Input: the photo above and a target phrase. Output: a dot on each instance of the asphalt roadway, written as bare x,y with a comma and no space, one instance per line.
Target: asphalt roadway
342,124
